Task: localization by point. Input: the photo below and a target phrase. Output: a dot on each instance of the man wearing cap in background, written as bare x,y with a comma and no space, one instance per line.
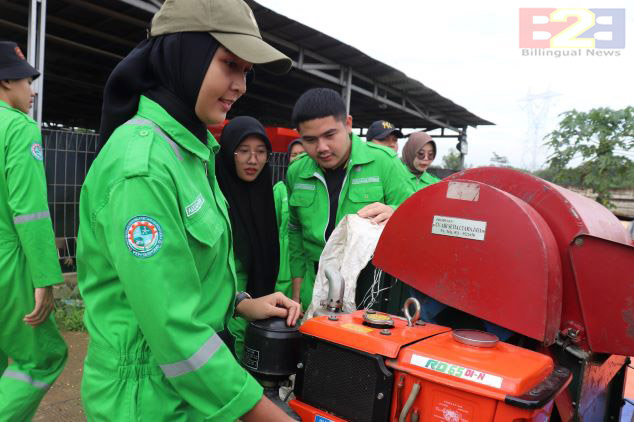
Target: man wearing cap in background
280,195
384,133
28,256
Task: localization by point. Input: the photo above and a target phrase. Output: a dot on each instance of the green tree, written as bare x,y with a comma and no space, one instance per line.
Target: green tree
601,138
452,161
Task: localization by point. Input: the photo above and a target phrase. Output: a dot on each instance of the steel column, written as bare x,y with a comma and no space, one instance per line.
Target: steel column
35,52
346,90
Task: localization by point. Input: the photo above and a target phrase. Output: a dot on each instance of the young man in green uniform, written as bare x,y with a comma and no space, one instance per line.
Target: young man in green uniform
280,196
28,256
339,175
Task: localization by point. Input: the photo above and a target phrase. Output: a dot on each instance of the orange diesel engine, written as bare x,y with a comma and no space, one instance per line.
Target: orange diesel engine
375,367
542,263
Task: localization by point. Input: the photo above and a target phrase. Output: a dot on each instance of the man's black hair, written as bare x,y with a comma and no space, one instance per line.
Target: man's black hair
317,103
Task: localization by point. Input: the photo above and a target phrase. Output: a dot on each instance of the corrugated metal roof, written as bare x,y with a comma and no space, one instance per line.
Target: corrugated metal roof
86,39
422,96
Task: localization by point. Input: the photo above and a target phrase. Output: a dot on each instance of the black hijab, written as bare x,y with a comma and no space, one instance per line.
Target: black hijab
169,69
251,208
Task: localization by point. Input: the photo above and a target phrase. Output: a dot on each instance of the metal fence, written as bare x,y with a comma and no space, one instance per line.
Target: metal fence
279,164
67,158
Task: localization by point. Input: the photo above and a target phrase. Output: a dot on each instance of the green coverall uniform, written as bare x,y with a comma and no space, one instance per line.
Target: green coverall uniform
280,196
373,174
28,259
424,180
237,326
156,271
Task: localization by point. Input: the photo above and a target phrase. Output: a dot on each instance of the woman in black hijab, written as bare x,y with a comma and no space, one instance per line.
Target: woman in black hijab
244,177
154,258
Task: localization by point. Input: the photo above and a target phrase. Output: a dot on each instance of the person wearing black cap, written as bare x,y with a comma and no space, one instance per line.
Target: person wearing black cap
28,256
280,194
384,133
155,260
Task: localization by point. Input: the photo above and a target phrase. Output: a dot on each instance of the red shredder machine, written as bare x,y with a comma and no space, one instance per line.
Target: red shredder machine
507,248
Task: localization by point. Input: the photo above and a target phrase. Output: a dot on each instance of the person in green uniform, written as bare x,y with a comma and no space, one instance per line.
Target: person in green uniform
244,177
384,133
418,154
28,257
155,257
340,174
280,195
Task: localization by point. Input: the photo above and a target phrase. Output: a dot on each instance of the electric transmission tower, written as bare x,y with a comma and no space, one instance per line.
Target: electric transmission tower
537,107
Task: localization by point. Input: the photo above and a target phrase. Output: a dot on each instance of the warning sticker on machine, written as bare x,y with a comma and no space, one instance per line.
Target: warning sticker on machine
464,191
449,409
457,371
459,227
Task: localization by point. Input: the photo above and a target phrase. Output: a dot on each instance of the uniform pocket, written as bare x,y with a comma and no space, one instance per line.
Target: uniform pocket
302,198
204,236
206,229
366,193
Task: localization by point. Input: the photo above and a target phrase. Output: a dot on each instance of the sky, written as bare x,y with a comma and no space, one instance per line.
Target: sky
469,52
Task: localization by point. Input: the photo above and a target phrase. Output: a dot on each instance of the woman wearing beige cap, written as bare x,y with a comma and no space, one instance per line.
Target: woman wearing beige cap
155,258
418,154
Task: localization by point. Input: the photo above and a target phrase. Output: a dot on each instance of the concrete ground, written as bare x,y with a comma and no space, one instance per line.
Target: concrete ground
62,402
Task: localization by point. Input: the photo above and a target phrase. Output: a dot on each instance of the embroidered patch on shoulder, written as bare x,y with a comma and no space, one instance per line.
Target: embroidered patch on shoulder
37,152
195,206
143,236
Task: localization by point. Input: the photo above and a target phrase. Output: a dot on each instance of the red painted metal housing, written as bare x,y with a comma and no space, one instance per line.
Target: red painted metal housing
548,259
280,137
507,273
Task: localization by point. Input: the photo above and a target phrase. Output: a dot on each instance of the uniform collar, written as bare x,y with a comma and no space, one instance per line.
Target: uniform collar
6,105
179,134
358,155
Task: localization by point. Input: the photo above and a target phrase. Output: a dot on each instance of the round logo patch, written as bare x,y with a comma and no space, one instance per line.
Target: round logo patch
143,236
37,152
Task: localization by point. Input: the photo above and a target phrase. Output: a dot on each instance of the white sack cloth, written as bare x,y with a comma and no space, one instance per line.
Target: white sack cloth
349,249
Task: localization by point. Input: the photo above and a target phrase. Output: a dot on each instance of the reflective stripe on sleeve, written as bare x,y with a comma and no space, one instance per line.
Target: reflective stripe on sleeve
199,358
161,133
31,217
20,376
